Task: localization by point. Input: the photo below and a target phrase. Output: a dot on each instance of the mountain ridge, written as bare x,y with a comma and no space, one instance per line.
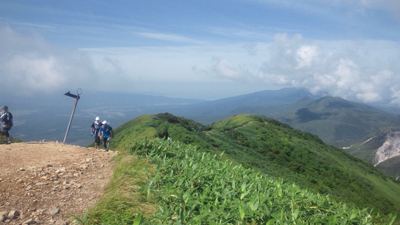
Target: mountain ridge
276,149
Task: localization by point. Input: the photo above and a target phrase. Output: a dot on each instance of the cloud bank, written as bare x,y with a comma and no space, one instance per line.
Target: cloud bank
360,70
30,65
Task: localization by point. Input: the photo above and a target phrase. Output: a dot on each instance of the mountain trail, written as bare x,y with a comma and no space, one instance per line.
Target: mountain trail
47,182
244,125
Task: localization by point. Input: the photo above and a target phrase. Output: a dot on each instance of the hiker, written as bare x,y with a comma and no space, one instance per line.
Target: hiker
94,130
6,122
106,132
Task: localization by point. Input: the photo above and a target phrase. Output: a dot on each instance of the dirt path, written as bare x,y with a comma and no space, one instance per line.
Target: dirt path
46,183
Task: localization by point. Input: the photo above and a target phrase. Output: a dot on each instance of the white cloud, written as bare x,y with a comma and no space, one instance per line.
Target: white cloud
35,74
30,65
226,69
306,54
169,37
347,74
362,70
356,70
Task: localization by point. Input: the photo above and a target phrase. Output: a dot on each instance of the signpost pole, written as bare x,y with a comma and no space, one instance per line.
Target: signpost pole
77,97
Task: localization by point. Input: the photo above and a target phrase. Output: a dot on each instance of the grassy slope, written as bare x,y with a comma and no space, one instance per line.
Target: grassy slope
121,202
304,159
278,150
188,186
193,187
390,166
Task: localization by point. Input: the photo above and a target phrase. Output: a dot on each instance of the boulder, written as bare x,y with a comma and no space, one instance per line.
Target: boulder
13,214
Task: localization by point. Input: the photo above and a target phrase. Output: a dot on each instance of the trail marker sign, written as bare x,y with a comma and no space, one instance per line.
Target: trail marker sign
77,97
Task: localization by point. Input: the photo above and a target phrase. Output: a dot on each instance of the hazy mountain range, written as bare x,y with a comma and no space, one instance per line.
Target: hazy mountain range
336,121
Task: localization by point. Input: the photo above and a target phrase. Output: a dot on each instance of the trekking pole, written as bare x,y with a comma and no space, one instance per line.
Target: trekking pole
77,97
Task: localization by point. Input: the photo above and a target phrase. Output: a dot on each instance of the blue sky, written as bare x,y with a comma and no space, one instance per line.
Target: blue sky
201,48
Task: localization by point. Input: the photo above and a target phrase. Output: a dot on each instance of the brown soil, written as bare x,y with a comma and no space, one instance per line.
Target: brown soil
46,183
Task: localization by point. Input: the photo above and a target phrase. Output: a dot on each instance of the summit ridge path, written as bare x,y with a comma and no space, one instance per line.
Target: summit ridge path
47,182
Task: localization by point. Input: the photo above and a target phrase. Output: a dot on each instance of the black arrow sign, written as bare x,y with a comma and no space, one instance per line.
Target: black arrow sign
72,95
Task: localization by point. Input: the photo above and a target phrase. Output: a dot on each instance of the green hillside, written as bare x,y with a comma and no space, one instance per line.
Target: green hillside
336,121
275,149
167,182
391,167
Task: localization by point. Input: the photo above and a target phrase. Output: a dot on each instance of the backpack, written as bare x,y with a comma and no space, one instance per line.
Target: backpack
7,122
11,120
96,126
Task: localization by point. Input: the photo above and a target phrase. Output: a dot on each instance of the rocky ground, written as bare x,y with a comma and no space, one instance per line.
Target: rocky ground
46,183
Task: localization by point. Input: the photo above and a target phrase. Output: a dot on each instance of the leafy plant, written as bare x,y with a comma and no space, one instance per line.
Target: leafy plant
121,202
194,187
82,220
270,149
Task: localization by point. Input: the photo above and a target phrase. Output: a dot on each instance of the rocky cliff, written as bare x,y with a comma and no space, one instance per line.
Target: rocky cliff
389,149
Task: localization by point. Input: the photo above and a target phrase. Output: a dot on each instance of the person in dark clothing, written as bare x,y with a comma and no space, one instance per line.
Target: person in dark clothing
94,130
6,122
106,132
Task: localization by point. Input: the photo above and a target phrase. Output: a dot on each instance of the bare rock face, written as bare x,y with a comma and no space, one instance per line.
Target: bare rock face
389,149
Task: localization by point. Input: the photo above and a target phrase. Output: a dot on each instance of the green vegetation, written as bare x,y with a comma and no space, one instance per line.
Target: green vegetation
194,187
3,140
162,125
390,167
121,203
199,188
269,172
276,149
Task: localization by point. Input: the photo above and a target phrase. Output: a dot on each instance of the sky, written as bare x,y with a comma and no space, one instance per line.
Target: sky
203,49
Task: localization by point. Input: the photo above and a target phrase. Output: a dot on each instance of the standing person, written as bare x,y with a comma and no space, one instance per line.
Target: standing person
94,130
106,132
6,122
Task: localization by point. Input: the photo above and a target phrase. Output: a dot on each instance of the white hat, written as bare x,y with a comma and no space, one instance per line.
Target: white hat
104,122
97,118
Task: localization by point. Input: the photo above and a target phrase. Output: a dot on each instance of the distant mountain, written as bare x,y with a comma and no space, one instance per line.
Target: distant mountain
212,111
339,122
276,111
274,149
336,121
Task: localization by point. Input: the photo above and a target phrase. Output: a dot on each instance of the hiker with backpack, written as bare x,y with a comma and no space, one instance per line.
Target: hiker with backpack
106,133
94,130
6,122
